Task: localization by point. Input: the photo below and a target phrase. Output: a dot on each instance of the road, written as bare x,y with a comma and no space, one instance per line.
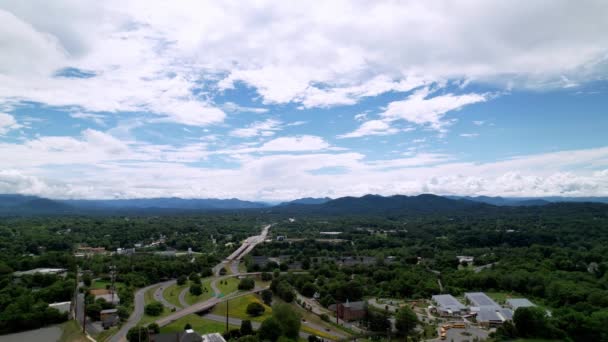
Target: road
137,313
158,295
139,302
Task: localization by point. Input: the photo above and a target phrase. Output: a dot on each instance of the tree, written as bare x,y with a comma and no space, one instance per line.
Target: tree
93,311
267,296
181,280
246,328
154,309
530,321
248,338
309,289
86,279
195,278
223,271
270,330
137,334
405,321
266,276
255,309
288,320
246,284
188,326
153,328
378,322
196,290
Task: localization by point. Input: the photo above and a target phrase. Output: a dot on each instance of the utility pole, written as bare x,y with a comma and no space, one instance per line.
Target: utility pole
84,314
227,329
113,278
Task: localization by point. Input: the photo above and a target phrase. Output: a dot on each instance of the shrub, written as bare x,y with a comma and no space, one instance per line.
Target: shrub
154,309
255,309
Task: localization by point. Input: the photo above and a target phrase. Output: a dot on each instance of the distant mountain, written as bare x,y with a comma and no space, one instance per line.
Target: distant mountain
375,204
308,200
22,204
166,203
529,201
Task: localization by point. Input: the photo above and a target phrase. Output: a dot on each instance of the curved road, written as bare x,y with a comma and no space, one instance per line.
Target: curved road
137,313
158,295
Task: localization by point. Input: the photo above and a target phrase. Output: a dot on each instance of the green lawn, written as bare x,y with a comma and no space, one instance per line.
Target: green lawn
200,324
190,299
71,332
238,308
501,297
149,298
312,318
101,284
228,285
171,293
106,334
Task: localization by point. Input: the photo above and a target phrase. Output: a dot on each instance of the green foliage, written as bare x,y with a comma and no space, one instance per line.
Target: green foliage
270,330
288,320
246,328
405,321
267,297
181,280
196,290
246,284
137,334
255,309
154,309
195,278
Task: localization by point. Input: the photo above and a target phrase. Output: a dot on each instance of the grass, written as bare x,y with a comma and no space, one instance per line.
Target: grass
238,308
71,332
200,324
171,293
312,318
149,298
105,335
190,299
228,285
501,297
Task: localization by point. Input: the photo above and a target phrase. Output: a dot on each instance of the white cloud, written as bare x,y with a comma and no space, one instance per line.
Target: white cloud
469,135
479,122
233,107
421,109
298,143
97,118
8,123
371,127
260,128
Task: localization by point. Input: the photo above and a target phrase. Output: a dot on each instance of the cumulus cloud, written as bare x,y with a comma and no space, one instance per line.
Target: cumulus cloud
259,128
7,123
371,127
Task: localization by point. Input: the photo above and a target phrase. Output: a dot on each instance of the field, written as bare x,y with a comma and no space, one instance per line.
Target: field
312,318
198,323
171,293
228,285
190,299
238,308
71,332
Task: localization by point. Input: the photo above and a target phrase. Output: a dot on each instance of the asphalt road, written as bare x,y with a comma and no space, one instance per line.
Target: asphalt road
137,313
158,295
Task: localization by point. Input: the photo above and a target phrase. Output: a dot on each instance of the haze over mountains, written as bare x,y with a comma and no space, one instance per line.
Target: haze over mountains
369,204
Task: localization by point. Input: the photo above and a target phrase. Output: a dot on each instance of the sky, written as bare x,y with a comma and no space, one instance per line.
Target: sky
278,100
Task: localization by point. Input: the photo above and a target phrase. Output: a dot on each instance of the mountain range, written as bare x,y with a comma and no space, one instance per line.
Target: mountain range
369,204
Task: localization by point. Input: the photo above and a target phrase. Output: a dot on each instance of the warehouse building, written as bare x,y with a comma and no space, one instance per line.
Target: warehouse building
447,305
515,303
480,300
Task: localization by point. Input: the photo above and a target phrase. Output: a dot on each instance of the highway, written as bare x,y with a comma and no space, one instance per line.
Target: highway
139,302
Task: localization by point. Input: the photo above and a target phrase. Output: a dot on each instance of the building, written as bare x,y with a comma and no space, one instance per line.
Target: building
107,295
89,251
465,259
63,307
108,318
351,311
447,305
45,271
480,300
515,303
281,238
187,336
489,317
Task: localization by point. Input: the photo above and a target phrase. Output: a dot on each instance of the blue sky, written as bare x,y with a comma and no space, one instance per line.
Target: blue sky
275,101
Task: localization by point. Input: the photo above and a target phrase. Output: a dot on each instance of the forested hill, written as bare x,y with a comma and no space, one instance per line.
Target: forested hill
369,205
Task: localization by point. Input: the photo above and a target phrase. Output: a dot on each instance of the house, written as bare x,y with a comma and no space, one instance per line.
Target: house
489,317
351,311
186,336
108,318
89,251
447,305
45,271
62,307
109,296
281,238
480,300
465,259
515,303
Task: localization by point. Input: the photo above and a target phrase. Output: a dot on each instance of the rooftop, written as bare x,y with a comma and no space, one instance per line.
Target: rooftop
448,302
519,303
481,300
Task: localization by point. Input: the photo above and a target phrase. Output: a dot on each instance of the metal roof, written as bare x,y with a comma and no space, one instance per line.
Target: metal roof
487,314
519,303
448,302
481,300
